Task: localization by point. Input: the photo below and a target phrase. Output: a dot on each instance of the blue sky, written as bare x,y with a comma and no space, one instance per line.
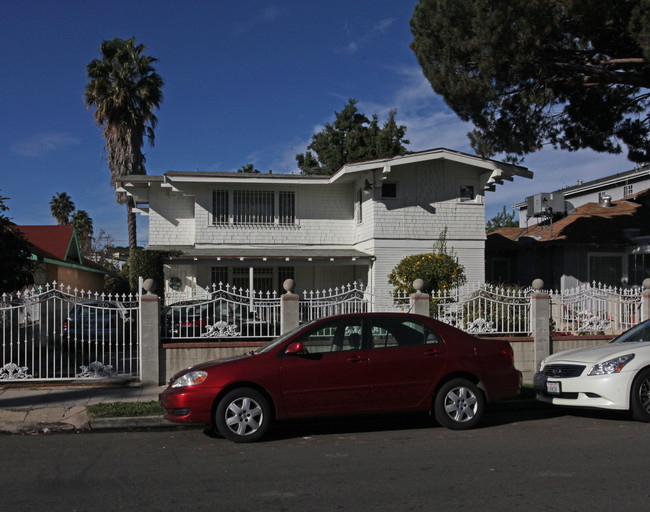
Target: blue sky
246,82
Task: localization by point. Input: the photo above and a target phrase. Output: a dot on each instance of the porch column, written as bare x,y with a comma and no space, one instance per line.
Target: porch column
540,309
150,374
289,308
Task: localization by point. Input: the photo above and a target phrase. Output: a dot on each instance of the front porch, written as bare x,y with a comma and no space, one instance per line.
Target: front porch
195,272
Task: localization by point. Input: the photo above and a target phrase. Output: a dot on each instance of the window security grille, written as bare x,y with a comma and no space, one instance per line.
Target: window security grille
284,273
287,214
220,207
219,275
253,207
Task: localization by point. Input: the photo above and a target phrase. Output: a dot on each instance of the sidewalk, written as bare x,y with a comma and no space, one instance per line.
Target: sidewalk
40,409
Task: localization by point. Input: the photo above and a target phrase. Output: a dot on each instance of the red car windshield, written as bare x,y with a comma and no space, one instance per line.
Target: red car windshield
277,341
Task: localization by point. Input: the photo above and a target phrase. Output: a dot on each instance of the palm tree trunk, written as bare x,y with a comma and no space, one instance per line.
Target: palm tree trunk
133,236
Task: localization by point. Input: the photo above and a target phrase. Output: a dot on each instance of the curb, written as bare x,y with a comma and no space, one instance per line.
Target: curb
131,422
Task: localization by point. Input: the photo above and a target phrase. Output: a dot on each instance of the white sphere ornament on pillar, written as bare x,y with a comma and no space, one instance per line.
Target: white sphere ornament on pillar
149,285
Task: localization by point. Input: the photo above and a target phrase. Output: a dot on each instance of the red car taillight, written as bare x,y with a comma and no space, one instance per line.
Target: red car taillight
509,353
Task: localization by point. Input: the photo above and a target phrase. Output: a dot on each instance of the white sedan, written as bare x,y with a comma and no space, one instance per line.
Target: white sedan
611,376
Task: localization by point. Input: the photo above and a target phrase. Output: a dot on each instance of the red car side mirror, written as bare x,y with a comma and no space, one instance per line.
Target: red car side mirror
297,348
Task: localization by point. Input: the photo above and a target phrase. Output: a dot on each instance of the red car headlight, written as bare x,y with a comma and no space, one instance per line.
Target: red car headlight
190,379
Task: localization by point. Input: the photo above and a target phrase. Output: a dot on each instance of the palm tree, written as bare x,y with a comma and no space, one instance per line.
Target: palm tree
83,225
124,90
61,206
247,169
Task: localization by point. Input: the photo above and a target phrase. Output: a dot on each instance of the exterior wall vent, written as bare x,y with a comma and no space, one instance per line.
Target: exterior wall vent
606,201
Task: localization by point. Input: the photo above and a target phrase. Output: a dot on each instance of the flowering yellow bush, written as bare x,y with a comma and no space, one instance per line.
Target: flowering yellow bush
439,271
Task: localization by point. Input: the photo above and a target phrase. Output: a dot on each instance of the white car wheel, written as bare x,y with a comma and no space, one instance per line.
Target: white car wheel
640,396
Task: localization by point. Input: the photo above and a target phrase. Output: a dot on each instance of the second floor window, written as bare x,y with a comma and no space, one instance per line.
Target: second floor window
253,207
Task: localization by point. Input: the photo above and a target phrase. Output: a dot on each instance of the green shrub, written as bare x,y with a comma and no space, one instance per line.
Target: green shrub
438,271
148,265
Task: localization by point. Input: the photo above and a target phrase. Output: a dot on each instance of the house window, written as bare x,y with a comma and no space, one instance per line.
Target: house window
388,190
219,276
220,207
606,269
284,273
638,269
359,205
287,207
628,190
467,193
262,279
253,207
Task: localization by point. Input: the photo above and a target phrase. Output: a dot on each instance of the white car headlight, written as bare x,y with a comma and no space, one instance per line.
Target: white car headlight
611,366
190,379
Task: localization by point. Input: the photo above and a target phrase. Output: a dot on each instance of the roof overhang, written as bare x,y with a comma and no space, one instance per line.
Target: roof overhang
282,256
492,173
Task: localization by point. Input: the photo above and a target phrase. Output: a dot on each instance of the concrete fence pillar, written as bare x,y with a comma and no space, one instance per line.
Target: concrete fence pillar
150,373
289,308
540,321
419,300
645,300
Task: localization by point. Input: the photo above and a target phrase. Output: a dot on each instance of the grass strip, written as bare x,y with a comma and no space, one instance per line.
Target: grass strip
125,409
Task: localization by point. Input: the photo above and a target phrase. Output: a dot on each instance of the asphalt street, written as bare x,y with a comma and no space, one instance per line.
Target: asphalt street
533,459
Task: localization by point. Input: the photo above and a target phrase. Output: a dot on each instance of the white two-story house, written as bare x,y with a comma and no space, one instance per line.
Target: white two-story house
256,230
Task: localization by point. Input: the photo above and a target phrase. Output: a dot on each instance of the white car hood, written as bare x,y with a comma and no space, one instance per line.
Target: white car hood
597,354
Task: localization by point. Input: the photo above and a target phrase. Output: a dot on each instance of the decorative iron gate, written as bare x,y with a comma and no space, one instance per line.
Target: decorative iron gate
222,313
350,298
591,308
482,309
55,333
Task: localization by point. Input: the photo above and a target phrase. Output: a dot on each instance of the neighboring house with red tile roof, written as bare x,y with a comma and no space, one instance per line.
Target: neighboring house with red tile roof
57,252
604,242
622,185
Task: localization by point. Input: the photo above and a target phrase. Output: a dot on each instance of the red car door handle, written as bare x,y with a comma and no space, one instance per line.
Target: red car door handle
433,353
356,359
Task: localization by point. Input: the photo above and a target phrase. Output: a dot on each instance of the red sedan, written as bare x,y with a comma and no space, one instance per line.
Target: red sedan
349,364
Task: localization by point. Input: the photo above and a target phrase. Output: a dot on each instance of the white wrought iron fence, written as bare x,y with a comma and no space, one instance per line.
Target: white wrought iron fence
482,308
54,332
221,313
596,308
478,308
350,298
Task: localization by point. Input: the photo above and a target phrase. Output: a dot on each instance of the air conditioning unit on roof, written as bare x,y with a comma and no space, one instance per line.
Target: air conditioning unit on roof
545,204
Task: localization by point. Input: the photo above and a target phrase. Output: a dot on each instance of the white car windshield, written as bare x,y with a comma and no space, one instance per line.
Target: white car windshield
637,334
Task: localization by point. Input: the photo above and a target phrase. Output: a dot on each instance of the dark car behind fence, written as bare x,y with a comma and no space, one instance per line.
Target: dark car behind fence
55,333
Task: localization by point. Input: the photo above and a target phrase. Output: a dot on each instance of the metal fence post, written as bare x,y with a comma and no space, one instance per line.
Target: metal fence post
289,308
150,373
540,304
